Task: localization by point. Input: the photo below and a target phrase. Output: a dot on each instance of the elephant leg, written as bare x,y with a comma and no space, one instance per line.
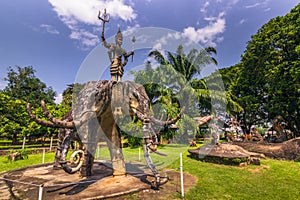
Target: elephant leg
87,166
89,141
147,142
115,149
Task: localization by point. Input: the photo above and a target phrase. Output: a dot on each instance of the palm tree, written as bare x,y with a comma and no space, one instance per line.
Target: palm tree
191,65
188,65
173,84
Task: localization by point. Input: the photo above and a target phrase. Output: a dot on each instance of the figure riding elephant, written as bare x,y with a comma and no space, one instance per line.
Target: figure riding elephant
95,115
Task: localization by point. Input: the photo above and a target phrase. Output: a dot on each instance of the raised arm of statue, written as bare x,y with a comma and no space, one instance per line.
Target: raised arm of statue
105,44
105,18
126,56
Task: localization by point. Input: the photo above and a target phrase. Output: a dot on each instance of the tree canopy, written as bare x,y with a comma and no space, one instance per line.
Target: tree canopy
267,85
22,84
24,87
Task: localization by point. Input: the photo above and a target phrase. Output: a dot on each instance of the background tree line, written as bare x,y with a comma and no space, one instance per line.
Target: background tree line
24,87
266,82
263,86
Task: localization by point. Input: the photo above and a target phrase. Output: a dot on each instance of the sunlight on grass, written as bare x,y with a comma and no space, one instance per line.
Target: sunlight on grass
33,159
131,155
273,179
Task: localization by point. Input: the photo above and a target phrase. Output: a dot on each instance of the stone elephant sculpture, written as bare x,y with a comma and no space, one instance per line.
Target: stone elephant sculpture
95,115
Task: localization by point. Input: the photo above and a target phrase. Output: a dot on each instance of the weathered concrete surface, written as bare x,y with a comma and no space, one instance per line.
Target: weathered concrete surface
59,185
223,150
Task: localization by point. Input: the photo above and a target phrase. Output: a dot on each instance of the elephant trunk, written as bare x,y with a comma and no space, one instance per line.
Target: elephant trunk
76,159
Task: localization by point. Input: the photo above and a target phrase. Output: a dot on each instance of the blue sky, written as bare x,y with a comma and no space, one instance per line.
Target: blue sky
56,36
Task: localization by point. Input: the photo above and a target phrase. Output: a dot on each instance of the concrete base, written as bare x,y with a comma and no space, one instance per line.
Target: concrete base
59,185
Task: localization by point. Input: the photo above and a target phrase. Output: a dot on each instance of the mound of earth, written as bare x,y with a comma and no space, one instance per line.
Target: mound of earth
289,150
225,153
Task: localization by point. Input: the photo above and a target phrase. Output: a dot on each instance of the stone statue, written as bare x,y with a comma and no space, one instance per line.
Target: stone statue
97,99
115,51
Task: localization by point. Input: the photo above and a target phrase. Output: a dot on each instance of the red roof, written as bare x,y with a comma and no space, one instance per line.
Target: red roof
203,120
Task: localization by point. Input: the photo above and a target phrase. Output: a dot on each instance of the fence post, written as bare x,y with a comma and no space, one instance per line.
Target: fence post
23,145
41,192
181,176
139,154
98,151
43,156
51,141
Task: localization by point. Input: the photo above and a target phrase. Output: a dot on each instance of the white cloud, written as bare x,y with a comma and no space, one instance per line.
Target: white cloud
242,21
207,35
130,30
48,28
75,14
267,9
253,5
262,3
203,9
58,99
2,84
72,12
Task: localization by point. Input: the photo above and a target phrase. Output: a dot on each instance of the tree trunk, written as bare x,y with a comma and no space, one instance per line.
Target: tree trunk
43,141
14,139
23,145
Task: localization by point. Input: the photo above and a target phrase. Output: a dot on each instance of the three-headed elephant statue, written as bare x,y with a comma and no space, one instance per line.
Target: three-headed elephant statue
94,115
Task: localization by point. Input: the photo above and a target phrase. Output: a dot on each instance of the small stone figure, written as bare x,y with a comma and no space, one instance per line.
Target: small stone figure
115,52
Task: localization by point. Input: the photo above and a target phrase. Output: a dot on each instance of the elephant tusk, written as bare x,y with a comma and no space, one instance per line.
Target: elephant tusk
167,122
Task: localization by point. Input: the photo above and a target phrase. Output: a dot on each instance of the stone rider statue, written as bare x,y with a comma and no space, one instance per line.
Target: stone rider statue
115,52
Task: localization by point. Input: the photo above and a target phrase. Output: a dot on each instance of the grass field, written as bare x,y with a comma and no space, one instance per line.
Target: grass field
6,165
273,179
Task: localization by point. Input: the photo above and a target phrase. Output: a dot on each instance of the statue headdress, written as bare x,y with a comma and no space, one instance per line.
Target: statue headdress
119,34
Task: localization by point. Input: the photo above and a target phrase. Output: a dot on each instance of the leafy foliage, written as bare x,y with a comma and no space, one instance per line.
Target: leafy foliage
23,86
267,85
173,84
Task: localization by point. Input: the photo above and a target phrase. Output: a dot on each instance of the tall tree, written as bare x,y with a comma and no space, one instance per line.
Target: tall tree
268,85
22,84
174,83
188,65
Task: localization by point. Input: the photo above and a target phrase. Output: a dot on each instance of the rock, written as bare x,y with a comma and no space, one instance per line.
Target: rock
254,161
225,154
263,156
15,156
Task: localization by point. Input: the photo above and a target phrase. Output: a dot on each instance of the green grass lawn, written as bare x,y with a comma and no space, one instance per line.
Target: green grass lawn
273,179
6,165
